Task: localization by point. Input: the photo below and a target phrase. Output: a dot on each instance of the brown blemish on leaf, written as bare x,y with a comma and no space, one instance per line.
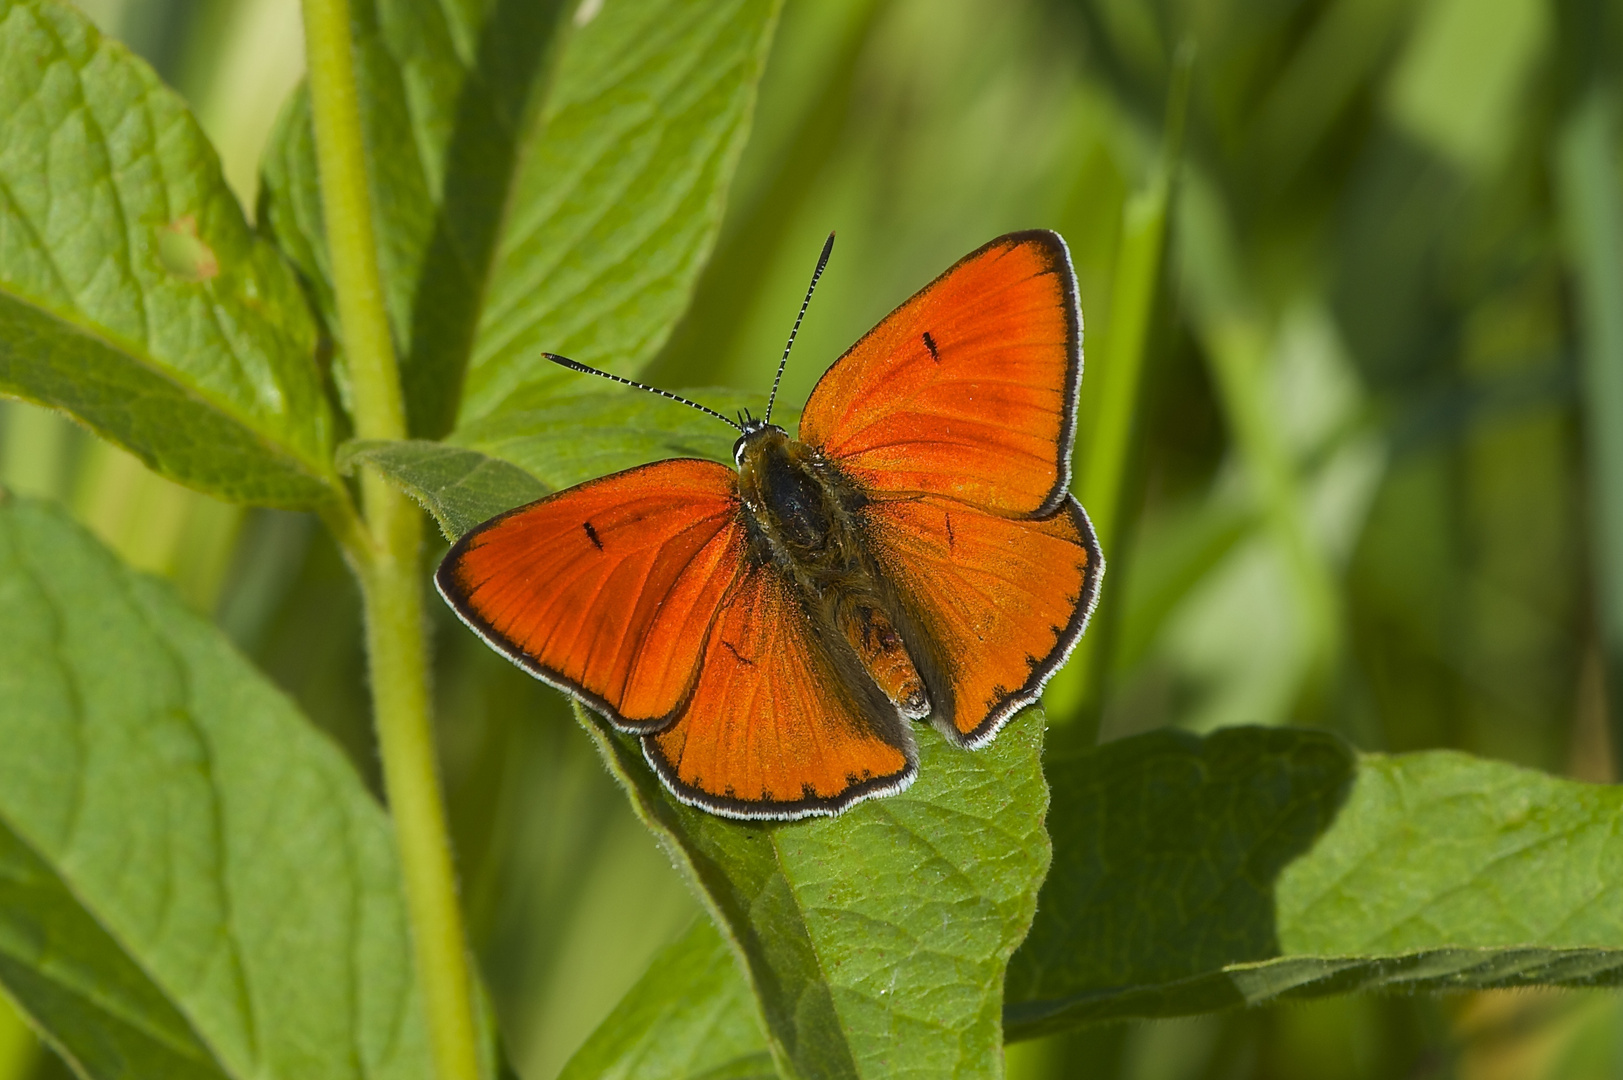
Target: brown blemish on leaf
184,253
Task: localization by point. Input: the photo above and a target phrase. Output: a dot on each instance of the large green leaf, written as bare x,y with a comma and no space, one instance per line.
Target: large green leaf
690,1017
619,199
509,460
534,201
446,91
91,1000
193,882
565,439
132,292
1196,874
875,940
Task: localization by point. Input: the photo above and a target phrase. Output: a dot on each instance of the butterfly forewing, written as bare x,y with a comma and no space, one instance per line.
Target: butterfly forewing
607,589
969,388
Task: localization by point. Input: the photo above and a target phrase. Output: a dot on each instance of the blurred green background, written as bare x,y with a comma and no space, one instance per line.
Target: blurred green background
1374,467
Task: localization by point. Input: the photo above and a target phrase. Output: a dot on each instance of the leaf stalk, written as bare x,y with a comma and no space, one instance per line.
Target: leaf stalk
386,551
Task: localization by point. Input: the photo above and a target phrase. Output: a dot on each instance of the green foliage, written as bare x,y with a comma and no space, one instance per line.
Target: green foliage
460,488
520,455
132,293
851,928
1592,216
571,433
195,882
493,176
1193,875
643,129
1198,874
1342,476
446,92
689,1017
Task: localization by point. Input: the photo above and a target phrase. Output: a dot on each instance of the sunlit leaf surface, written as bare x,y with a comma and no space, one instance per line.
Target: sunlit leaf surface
460,488
529,201
195,882
510,460
564,440
690,1015
132,292
619,198
1197,874
876,940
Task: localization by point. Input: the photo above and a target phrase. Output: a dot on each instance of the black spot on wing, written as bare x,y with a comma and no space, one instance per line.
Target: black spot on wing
929,343
591,534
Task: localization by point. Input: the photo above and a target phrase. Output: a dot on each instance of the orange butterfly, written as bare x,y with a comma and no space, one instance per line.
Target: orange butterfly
771,632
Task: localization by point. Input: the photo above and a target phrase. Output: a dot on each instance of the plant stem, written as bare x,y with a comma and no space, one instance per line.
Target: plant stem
1592,212
1074,695
1238,342
1075,691
385,554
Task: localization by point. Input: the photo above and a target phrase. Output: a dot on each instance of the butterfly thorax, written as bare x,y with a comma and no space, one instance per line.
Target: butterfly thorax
801,516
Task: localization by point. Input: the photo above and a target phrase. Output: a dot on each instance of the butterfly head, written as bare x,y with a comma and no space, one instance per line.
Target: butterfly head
755,432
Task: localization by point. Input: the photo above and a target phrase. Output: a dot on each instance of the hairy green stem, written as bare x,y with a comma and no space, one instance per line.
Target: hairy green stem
386,552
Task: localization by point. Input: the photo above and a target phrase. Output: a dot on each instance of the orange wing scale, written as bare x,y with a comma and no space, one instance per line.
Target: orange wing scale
1003,600
607,589
771,729
968,389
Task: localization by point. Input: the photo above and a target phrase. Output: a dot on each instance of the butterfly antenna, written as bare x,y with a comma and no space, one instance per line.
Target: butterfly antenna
576,365
822,261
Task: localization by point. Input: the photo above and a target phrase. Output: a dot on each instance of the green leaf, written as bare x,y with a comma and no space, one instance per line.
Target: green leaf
879,936
446,91
1196,874
690,1016
91,1000
521,455
132,292
461,488
193,882
565,439
619,199
526,200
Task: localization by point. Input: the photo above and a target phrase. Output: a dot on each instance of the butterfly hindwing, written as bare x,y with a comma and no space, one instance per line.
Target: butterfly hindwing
1000,601
607,589
968,389
779,725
